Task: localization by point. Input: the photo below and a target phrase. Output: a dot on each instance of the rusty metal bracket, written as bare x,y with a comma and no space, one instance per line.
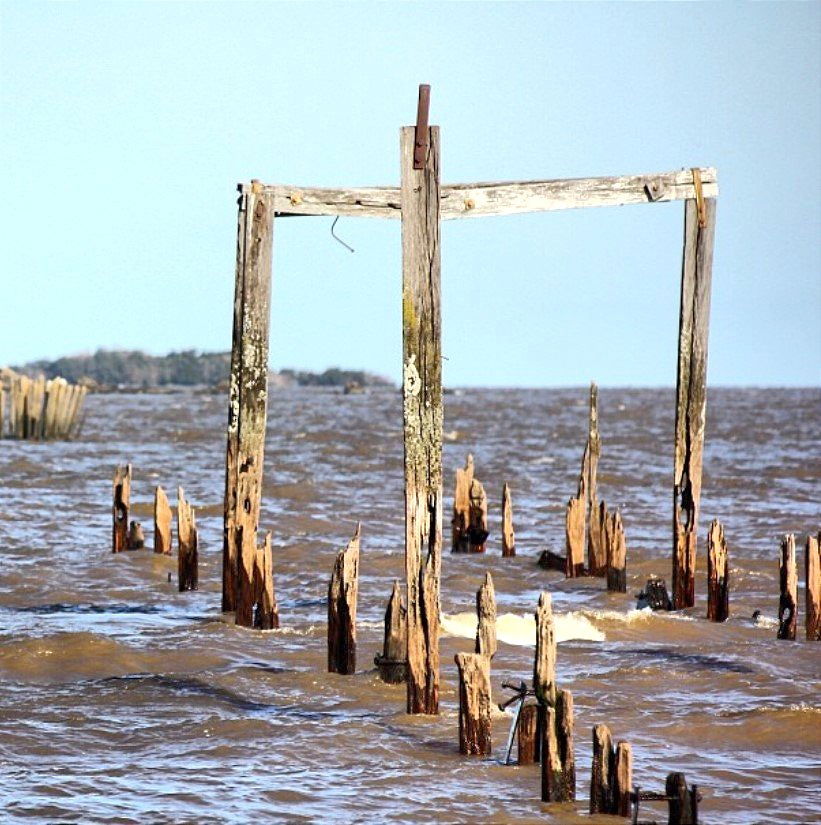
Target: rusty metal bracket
700,205
420,145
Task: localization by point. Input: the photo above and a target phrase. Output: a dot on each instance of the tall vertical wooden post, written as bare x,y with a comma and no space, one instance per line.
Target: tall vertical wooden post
248,402
691,401
422,415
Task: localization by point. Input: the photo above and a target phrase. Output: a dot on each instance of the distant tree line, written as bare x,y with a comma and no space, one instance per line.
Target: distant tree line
132,368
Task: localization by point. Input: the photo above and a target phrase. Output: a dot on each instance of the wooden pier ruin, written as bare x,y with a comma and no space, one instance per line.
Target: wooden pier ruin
40,409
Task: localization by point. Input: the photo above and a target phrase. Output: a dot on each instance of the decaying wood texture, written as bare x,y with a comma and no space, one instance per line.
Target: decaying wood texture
247,409
477,528
474,704
681,801
718,574
422,416
812,573
343,592
526,742
122,497
187,553
508,537
574,537
616,554
601,791
596,560
136,537
41,409
392,661
473,200
486,613
622,779
691,392
266,611
788,580
162,522
558,766
544,662
461,508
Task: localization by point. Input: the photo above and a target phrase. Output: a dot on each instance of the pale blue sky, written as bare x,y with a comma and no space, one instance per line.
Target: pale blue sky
125,127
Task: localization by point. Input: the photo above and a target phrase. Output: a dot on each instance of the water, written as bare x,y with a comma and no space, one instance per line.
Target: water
124,701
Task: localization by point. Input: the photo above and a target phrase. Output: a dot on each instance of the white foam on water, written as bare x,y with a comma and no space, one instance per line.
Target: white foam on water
515,629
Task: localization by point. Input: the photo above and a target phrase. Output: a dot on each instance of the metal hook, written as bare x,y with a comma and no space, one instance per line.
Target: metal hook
337,238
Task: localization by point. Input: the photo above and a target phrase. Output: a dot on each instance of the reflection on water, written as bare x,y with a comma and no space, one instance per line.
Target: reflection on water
122,700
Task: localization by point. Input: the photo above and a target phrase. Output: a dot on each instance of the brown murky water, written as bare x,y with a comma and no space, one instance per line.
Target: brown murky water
124,701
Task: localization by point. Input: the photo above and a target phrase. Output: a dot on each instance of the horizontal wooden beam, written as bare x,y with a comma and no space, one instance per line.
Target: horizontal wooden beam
474,200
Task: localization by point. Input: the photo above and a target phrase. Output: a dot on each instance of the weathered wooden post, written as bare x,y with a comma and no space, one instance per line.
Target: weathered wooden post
187,557
527,732
248,399
460,523
422,405
477,530
622,779
601,794
508,536
596,560
266,611
812,580
691,383
162,522
343,592
616,554
474,704
544,660
486,613
682,803
574,537
718,574
392,661
122,497
788,579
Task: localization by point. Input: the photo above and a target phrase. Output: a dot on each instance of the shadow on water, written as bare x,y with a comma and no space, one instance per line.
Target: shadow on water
86,608
697,660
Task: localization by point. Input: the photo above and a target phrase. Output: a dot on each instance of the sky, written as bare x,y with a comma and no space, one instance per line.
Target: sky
125,127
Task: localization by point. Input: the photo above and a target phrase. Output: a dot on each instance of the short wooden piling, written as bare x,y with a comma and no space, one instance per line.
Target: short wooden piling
812,580
422,414
718,574
622,779
508,537
266,611
558,766
616,551
122,497
162,522
187,550
343,593
691,390
574,537
477,529
460,523
601,792
682,802
596,558
486,614
136,537
788,599
544,661
392,662
474,704
526,733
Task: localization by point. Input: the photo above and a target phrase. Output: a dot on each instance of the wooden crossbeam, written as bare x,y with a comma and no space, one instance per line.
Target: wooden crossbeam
474,200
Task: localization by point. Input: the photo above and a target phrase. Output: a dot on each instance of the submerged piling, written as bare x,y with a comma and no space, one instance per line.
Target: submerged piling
460,522
718,574
122,497
343,592
187,552
788,599
162,522
508,536
812,574
616,551
477,527
392,661
601,790
486,614
266,611
474,704
574,537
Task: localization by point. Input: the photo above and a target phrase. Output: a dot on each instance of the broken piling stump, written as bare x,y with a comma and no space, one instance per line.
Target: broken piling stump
266,611
477,528
392,661
596,558
682,801
574,537
187,558
544,660
654,595
162,522
460,523
788,599
812,581
558,766
601,790
622,779
508,537
526,742
122,496
616,545
342,598
718,574
474,704
486,614
136,537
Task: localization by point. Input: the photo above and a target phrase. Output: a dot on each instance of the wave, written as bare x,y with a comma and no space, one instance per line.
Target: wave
515,629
